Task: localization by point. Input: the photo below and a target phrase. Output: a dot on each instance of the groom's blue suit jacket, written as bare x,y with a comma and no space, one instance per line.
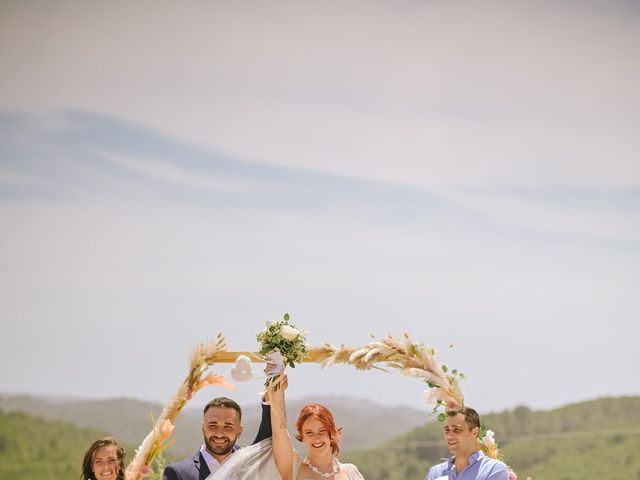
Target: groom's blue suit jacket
195,468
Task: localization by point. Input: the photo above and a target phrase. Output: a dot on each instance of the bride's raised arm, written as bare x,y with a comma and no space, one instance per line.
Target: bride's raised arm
282,447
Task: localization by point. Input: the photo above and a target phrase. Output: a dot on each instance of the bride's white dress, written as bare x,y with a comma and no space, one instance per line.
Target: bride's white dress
256,463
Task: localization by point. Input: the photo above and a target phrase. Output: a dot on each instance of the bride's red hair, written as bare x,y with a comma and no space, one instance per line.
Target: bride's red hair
320,412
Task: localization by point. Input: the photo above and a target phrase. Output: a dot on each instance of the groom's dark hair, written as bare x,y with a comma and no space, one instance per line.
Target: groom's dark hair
223,402
471,417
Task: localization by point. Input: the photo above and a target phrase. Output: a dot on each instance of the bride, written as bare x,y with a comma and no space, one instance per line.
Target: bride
275,458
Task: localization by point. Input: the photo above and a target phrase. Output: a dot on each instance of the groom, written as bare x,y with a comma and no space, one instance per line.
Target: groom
221,427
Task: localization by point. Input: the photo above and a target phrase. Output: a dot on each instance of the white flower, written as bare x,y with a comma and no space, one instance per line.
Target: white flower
243,369
488,438
288,333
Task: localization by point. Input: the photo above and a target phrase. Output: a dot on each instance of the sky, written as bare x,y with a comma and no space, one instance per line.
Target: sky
465,173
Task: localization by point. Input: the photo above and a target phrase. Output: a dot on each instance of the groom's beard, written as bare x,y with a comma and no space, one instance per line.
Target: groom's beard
219,449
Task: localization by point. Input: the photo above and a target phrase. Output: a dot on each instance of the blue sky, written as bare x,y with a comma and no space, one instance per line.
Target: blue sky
469,177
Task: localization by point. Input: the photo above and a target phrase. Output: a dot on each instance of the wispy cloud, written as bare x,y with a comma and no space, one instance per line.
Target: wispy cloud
517,93
169,172
576,215
95,155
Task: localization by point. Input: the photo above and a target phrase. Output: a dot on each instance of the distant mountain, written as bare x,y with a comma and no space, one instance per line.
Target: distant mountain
597,439
126,419
364,423
592,440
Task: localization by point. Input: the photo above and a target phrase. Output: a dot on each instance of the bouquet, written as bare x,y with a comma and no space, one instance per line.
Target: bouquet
282,344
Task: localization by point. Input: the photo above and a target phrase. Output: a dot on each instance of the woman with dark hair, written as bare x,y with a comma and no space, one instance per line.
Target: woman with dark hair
103,460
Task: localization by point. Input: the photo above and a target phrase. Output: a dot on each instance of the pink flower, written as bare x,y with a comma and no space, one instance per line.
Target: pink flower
436,393
212,379
166,430
188,393
488,439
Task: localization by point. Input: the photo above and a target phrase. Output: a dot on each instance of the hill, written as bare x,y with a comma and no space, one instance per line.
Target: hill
126,419
596,439
32,448
591,440
365,423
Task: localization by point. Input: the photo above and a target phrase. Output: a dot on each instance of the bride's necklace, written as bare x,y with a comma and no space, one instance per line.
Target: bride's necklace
314,469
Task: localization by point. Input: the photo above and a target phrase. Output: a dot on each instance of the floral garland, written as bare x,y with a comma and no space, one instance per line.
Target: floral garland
281,343
202,356
415,360
409,357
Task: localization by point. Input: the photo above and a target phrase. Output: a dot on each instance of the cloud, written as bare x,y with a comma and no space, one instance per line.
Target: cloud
168,172
609,217
92,154
423,94
465,175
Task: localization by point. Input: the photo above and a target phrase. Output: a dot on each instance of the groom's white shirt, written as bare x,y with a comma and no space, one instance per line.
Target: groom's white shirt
212,463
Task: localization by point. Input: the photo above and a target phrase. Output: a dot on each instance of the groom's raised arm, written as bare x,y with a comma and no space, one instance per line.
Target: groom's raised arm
264,430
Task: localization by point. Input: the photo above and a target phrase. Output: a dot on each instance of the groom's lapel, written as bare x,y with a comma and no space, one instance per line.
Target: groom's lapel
201,466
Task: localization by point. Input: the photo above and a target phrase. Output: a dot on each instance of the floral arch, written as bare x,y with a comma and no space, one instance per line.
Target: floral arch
400,354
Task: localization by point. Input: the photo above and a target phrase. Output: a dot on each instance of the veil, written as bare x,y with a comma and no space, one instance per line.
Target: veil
254,462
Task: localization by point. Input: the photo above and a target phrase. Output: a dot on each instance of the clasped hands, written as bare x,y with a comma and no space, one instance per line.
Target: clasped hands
279,381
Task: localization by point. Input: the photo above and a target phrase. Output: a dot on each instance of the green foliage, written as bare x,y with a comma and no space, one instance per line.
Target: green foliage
283,336
572,456
365,424
389,463
36,449
157,467
125,419
590,440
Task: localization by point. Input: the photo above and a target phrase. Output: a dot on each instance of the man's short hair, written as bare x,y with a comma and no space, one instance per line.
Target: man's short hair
471,417
223,402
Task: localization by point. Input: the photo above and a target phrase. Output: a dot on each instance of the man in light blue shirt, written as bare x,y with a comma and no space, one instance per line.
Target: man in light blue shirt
468,462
